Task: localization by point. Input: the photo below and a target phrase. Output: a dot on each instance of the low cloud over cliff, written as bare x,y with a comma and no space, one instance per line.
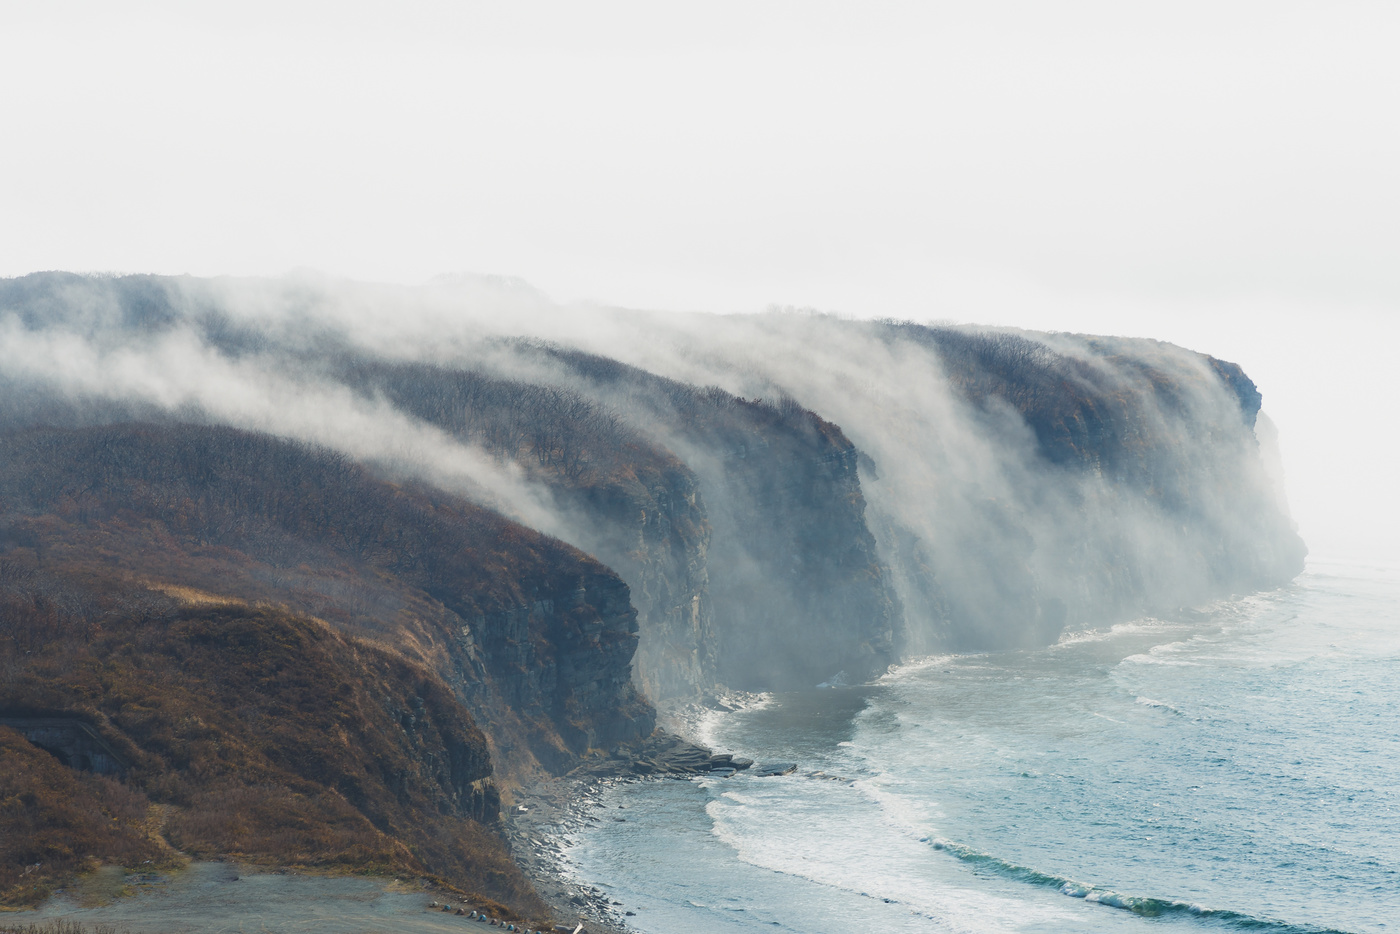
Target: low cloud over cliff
789,495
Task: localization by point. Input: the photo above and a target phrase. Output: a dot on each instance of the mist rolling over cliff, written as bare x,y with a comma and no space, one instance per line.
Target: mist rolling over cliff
976,418
469,538
788,496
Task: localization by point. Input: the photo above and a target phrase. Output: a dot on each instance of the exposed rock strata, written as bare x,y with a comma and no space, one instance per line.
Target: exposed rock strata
793,569
536,637
621,497
983,489
1143,490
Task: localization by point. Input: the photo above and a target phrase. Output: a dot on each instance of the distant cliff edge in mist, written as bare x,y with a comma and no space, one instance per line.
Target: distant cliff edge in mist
360,555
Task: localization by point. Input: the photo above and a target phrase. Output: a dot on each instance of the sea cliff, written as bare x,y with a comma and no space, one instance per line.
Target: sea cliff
493,545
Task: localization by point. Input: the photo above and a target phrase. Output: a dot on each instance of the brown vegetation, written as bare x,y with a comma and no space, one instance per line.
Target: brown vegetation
194,594
59,926
267,737
534,635
55,821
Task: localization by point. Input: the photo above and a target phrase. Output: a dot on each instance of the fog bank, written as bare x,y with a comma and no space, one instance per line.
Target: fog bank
821,493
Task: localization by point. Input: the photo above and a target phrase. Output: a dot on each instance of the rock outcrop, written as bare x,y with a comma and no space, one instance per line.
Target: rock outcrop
859,493
1142,489
798,590
242,731
536,638
619,496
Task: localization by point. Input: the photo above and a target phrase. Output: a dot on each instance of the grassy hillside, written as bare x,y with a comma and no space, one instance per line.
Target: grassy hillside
299,662
628,499
55,821
534,636
246,732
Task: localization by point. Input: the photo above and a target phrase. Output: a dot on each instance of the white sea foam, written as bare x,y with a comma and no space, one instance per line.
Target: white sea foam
764,833
914,666
1046,774
1151,658
701,723
1085,635
1160,705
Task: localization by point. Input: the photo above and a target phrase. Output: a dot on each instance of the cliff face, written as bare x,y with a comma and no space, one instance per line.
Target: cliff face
618,496
800,594
259,734
1015,483
535,637
656,536
234,616
1141,490
739,525
930,489
798,590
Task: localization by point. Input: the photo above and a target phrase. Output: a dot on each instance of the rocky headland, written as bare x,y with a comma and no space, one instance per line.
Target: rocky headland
304,595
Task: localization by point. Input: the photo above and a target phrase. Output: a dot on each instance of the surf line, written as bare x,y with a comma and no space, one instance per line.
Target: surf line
1145,905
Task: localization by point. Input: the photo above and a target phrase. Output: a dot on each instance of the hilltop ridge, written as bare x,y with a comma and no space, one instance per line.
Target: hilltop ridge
330,572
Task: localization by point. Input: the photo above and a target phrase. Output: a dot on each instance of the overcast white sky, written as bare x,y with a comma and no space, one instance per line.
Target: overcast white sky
1221,174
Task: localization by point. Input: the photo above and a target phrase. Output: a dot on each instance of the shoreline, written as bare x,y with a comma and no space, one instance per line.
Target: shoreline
228,897
538,827
538,836
544,814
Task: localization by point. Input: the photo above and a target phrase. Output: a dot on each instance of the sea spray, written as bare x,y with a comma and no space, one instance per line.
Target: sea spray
1069,789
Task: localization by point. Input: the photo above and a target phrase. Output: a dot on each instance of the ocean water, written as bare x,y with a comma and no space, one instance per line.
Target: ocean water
1239,771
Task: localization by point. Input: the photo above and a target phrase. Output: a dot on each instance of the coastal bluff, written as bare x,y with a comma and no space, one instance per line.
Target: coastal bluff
316,589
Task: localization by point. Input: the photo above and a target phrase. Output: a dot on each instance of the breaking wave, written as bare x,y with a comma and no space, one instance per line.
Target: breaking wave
1146,906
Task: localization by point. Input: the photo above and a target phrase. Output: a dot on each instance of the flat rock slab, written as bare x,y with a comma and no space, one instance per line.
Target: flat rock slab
775,768
218,898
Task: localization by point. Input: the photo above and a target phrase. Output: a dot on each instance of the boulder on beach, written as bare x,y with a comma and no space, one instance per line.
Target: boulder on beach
775,768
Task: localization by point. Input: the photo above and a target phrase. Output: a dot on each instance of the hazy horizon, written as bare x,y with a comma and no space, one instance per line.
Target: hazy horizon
1215,175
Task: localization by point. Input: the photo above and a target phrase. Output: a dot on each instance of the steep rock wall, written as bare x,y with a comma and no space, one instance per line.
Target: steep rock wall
1142,490
805,597
656,536
1014,483
262,735
798,590
536,637
620,497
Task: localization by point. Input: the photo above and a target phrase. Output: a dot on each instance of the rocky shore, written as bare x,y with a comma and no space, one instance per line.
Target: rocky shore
542,818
